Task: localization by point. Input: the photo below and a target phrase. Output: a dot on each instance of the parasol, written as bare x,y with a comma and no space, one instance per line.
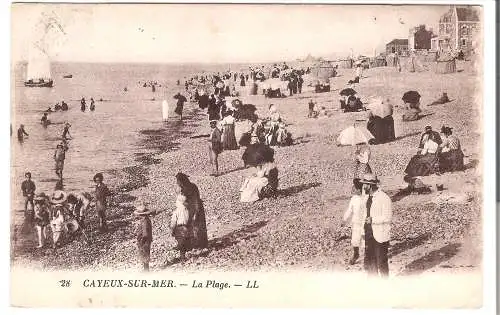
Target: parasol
411,97
347,92
258,153
354,135
380,108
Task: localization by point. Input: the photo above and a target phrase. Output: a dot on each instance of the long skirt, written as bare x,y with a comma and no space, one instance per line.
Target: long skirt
199,230
251,188
422,165
390,134
382,129
229,138
144,251
182,236
178,109
451,161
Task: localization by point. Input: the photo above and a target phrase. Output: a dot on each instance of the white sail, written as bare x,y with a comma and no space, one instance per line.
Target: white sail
38,66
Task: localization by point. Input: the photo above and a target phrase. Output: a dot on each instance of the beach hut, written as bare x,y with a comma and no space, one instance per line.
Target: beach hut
323,71
390,60
345,63
378,62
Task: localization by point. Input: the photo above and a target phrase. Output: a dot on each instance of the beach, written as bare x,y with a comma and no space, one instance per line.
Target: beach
140,156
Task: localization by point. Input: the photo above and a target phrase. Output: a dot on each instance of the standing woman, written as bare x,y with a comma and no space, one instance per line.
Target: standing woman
213,109
228,136
196,221
180,104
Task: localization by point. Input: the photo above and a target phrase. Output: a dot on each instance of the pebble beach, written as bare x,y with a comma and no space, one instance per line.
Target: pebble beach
300,229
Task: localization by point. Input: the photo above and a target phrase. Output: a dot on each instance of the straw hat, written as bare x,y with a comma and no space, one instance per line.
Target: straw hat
58,197
142,210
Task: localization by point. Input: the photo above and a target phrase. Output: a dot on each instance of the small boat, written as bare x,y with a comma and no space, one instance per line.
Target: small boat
38,70
68,76
39,83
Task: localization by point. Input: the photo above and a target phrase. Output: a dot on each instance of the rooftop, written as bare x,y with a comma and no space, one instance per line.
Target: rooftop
398,42
467,14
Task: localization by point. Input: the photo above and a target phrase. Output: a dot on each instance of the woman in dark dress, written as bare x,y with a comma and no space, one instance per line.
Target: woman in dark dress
213,109
180,104
196,221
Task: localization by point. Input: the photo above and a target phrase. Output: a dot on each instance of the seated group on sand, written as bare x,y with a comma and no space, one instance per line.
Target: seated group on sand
436,155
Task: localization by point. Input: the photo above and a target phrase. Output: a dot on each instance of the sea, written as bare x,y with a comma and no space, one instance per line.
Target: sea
103,140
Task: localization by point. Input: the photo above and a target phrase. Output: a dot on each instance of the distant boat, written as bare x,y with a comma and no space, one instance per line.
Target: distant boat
38,71
68,76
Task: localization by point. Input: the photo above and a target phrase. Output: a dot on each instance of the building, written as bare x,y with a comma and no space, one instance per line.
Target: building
420,38
458,29
397,45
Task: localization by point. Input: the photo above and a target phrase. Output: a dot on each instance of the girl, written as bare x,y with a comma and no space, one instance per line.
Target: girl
356,212
215,146
228,135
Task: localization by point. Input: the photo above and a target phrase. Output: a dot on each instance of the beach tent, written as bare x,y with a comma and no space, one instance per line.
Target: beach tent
323,71
354,135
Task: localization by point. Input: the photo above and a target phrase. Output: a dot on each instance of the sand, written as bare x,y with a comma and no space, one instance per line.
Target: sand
301,228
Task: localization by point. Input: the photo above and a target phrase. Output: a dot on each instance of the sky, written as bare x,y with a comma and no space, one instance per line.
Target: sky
172,33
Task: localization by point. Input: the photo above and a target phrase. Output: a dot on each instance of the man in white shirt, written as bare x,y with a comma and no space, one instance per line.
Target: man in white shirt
377,227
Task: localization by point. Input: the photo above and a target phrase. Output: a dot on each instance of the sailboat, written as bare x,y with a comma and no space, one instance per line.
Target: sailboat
38,71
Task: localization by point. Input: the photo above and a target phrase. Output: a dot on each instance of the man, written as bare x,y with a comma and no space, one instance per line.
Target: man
28,188
429,134
59,157
101,194
377,227
21,133
65,134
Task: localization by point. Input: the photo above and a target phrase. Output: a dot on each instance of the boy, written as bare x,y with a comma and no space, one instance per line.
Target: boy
179,225
28,188
215,146
101,194
144,235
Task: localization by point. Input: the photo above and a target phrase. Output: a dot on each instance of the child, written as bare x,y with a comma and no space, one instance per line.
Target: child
101,195
311,109
41,218
179,225
215,146
57,225
355,211
144,235
362,161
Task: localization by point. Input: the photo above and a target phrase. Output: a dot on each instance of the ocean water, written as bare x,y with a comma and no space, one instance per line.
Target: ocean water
103,140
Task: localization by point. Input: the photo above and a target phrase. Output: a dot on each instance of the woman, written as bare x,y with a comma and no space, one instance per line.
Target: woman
425,162
412,111
362,160
228,135
213,109
262,184
451,157
196,223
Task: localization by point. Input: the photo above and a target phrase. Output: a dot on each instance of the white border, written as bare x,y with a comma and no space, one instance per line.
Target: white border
489,155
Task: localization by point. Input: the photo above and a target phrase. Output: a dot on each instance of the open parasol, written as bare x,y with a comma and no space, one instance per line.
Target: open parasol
258,153
411,97
380,108
347,92
354,135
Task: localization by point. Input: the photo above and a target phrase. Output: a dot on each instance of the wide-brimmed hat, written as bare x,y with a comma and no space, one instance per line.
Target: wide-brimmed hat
58,197
369,179
445,129
142,210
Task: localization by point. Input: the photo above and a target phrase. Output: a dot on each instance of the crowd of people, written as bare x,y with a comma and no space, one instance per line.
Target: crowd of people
369,210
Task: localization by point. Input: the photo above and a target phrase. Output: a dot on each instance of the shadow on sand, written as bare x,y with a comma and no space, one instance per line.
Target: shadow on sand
432,259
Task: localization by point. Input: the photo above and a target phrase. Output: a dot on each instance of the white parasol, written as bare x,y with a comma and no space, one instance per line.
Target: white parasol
354,135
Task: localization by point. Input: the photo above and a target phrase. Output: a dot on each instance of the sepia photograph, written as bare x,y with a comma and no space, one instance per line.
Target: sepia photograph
245,140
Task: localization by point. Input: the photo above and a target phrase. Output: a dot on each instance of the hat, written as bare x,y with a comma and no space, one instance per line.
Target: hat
445,129
182,177
369,179
72,225
142,210
98,175
428,128
58,197
411,97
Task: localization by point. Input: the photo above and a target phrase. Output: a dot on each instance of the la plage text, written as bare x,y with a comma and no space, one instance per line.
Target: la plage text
209,284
